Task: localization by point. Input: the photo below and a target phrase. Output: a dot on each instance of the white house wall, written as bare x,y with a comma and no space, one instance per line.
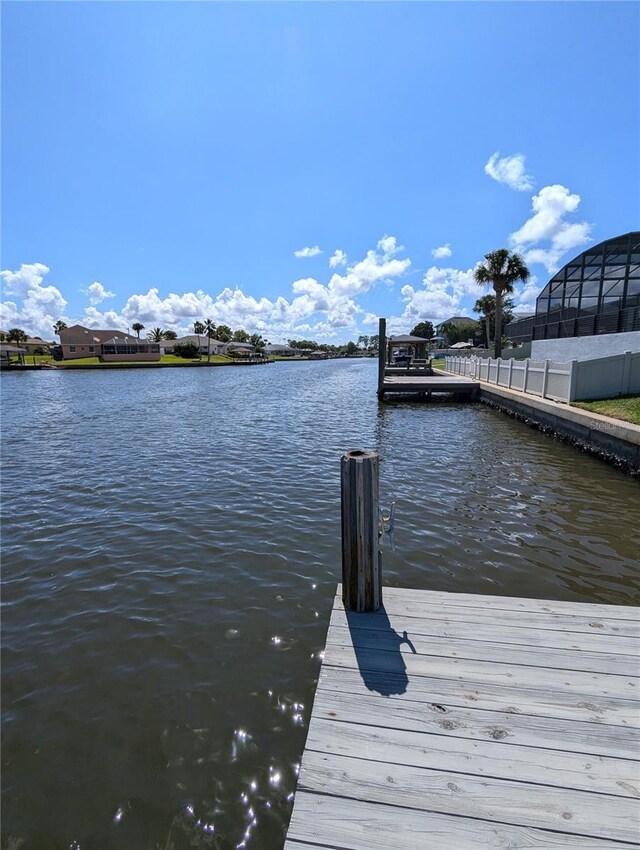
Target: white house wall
584,347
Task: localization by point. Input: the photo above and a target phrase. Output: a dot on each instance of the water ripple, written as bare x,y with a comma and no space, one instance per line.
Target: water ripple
170,554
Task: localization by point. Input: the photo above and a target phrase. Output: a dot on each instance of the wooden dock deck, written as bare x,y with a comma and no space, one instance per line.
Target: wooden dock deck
428,384
456,721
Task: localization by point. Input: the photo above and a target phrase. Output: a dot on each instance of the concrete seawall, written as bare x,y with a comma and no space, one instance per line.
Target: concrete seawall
612,440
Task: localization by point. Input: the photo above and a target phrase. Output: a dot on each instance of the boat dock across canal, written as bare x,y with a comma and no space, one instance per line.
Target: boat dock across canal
449,720
403,369
436,382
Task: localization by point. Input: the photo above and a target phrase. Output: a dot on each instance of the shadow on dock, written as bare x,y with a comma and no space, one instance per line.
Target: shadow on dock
391,676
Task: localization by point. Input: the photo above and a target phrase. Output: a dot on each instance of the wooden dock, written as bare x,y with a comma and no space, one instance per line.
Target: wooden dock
416,380
456,721
428,384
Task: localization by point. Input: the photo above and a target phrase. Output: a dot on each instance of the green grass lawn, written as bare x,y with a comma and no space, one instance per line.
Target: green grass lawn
80,361
38,358
215,358
624,407
95,361
437,363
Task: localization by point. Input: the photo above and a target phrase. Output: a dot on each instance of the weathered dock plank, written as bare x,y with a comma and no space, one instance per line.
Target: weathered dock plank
334,822
512,603
511,675
541,701
511,634
590,621
475,724
429,384
500,652
561,769
456,720
470,795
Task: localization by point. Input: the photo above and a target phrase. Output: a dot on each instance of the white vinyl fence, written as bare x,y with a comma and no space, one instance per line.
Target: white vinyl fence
605,377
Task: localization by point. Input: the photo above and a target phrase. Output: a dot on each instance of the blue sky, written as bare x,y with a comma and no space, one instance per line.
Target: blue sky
165,162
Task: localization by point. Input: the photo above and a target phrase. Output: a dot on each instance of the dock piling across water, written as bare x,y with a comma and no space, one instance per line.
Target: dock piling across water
382,355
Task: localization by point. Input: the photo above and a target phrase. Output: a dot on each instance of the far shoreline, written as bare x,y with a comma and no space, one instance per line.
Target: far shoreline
70,366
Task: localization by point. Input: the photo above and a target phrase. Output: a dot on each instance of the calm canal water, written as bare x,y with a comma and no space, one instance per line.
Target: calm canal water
171,549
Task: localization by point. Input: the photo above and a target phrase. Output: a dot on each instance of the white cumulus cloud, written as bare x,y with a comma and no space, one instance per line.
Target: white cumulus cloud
509,170
9,315
308,252
460,283
525,295
441,252
41,306
325,308
339,258
107,320
28,276
548,224
388,246
379,264
97,293
433,305
322,310
440,297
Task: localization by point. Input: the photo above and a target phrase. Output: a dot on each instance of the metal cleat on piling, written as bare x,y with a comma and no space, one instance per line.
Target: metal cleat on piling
387,525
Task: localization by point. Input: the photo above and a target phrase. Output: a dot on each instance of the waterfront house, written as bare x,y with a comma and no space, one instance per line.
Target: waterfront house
31,344
239,349
279,350
111,346
34,345
591,307
167,346
461,323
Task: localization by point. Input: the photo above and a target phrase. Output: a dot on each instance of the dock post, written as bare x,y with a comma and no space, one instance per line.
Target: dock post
361,568
382,355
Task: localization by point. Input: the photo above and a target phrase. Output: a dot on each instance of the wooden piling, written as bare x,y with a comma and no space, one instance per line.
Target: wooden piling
382,355
361,568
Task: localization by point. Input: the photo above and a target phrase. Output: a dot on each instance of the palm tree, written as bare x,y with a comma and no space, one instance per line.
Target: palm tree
257,341
16,335
423,329
210,330
155,335
502,269
59,326
224,333
198,329
137,327
486,306
170,335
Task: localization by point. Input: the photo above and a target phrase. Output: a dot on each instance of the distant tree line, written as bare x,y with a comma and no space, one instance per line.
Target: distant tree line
364,343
